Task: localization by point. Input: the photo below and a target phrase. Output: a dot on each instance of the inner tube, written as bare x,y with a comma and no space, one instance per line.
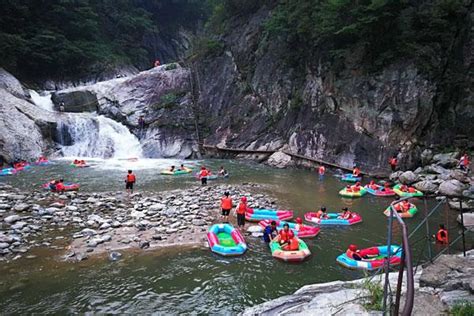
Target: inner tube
176,172
67,187
408,214
302,232
403,194
7,171
290,255
333,219
225,240
346,193
379,190
259,214
349,177
379,254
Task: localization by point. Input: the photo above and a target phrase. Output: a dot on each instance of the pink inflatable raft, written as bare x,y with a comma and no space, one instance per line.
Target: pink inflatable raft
301,232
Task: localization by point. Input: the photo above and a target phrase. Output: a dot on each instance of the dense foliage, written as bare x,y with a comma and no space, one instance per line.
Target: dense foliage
371,33
60,38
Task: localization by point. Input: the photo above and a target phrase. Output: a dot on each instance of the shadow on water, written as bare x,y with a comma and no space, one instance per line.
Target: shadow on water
191,280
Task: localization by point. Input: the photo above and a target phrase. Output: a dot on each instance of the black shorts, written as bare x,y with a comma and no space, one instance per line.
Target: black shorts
204,180
129,185
225,212
240,219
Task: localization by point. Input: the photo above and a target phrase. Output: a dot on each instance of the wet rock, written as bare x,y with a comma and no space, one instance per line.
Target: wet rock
452,188
447,160
11,219
106,238
198,222
72,208
88,232
408,177
81,257
458,175
156,207
21,207
144,244
395,175
426,186
435,169
18,225
104,226
4,245
449,273
114,256
279,160
171,230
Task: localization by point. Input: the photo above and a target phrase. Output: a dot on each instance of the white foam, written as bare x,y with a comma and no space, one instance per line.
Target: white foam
43,101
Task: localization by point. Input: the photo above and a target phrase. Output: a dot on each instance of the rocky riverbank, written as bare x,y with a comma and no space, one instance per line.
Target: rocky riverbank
438,287
97,223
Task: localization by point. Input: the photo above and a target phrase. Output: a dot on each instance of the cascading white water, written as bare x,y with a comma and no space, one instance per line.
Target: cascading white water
97,136
89,134
43,101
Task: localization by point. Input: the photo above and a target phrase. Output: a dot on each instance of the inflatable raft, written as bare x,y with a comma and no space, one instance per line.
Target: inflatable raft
401,193
42,163
67,186
79,165
303,232
21,168
379,190
377,258
177,172
408,214
333,219
7,171
290,255
257,214
349,177
352,194
225,240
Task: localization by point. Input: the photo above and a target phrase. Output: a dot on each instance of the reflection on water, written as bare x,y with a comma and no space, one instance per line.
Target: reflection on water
192,280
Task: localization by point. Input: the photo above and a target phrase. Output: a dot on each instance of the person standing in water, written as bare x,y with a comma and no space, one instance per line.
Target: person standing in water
321,171
226,206
130,181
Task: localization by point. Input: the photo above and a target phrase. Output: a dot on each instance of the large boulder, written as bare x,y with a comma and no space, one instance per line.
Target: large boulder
426,186
452,188
468,219
394,176
426,157
435,169
76,101
408,177
279,160
458,175
447,160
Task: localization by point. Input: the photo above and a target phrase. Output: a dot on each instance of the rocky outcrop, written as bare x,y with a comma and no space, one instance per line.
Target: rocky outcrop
26,130
452,188
408,177
438,287
279,160
162,96
468,219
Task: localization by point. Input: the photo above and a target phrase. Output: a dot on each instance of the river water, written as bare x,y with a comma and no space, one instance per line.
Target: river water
192,280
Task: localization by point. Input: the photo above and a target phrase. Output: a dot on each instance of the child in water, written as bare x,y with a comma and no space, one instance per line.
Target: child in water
130,181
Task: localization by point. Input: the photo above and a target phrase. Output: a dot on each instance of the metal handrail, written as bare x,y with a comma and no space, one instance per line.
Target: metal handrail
407,260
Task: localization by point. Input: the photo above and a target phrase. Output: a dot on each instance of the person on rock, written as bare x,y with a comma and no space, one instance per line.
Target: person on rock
130,181
157,63
203,174
464,163
285,235
441,236
240,212
141,122
226,206
270,232
321,171
393,162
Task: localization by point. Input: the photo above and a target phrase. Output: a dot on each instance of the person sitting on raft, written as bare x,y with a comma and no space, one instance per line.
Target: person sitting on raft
322,213
285,235
356,171
355,188
52,185
75,162
345,214
354,253
386,187
42,159
172,169
182,167
372,185
222,172
270,232
292,245
299,223
60,186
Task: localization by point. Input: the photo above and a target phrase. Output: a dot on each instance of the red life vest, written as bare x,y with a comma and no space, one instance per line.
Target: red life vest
286,236
60,186
131,178
440,238
242,208
203,173
226,203
294,244
322,170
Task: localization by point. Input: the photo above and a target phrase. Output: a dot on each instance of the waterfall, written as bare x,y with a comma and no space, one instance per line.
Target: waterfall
89,134
43,101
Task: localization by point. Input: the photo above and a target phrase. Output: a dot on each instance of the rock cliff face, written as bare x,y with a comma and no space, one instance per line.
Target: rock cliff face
258,101
26,131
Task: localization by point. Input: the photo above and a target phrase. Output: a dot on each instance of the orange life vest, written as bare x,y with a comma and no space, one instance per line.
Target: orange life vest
286,236
356,172
60,186
204,173
226,203
242,208
131,178
440,238
294,244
